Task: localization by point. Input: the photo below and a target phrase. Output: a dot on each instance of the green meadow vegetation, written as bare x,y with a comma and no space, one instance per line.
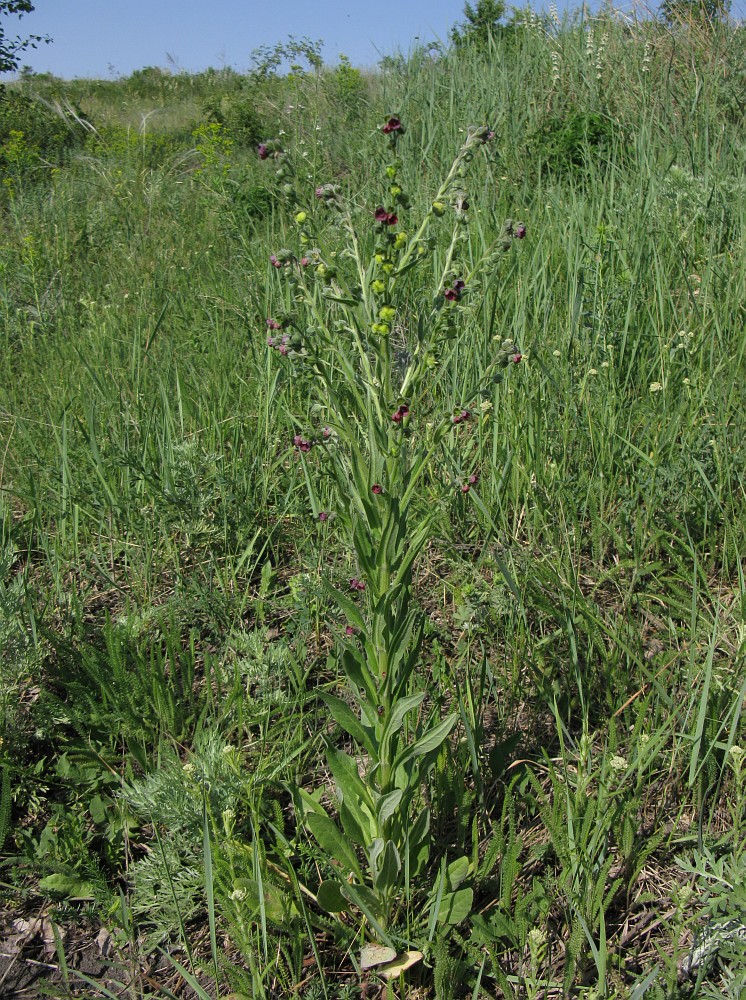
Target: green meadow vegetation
372,484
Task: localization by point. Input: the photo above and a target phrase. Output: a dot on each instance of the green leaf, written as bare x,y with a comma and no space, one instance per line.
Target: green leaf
69,886
350,609
356,669
368,902
398,712
457,872
355,798
430,741
330,897
417,843
388,872
455,906
388,804
332,842
97,809
344,716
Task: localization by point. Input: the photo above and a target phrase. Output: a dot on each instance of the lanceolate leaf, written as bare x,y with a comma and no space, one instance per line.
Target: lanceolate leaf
332,841
343,715
354,616
430,741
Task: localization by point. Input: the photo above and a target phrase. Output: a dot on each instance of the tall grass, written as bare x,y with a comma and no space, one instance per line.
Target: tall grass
164,630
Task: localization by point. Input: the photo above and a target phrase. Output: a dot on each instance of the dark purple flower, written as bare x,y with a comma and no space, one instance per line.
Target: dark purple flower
400,413
392,125
301,443
465,488
384,217
520,231
474,479
263,151
454,294
304,262
516,358
349,630
462,417
356,584
326,433
270,342
319,192
323,516
274,261
272,324
376,489
283,350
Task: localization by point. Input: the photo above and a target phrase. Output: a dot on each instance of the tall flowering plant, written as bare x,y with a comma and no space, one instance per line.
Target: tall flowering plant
369,343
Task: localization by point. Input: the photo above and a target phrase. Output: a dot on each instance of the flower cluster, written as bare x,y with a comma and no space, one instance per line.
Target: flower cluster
302,444
471,481
279,343
453,294
330,195
393,125
384,217
270,148
356,584
508,354
401,414
462,417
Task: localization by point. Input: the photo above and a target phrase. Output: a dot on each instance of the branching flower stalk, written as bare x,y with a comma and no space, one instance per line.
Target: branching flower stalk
375,435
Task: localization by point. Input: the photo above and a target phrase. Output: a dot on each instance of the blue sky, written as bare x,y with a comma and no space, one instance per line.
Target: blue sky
104,38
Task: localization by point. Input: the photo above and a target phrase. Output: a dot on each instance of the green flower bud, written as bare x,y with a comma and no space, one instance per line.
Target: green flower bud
321,270
391,171
438,208
395,190
400,241
387,314
378,286
301,217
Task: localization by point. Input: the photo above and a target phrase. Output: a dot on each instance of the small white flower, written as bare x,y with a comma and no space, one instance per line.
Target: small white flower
618,763
655,387
239,894
557,354
592,371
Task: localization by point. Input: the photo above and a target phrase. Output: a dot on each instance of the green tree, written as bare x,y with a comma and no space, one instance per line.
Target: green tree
481,24
694,11
11,48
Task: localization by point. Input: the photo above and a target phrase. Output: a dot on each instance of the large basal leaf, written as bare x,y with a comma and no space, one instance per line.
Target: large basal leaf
455,906
330,897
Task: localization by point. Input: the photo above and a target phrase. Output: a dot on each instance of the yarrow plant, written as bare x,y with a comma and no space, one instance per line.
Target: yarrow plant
352,318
